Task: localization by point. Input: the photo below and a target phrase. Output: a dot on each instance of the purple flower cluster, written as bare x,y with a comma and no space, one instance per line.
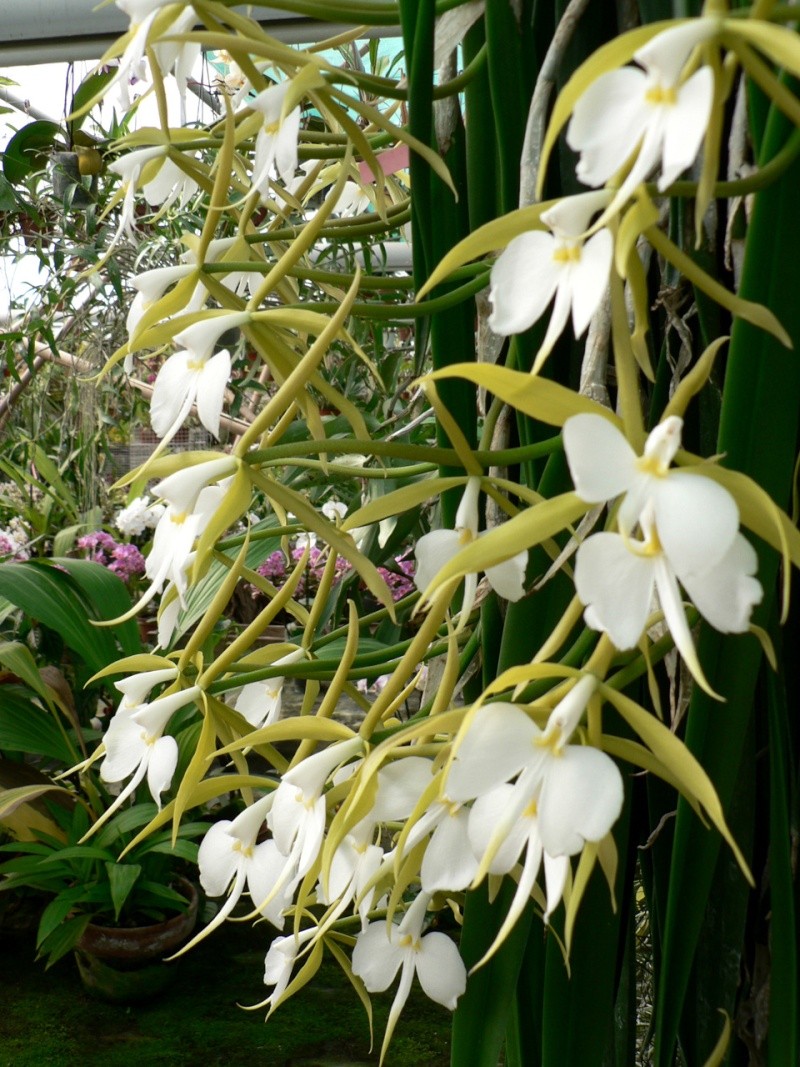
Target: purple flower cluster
400,581
126,561
274,568
6,547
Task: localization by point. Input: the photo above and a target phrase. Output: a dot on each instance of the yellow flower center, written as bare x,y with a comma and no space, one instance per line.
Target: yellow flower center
567,253
654,465
179,518
195,364
272,128
661,96
407,941
246,850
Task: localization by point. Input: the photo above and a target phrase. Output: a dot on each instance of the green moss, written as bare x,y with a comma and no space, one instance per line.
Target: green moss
48,1018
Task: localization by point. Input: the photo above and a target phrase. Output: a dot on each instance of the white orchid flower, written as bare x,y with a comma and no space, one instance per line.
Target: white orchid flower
487,812
276,143
182,489
697,519
135,746
184,381
164,184
279,963
577,789
260,702
647,117
150,286
435,549
616,577
174,538
564,795
234,249
191,502
381,952
335,510
448,863
353,865
192,376
297,817
297,814
538,267
231,858
168,55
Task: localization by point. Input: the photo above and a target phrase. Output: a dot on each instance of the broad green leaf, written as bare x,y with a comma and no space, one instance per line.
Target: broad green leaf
121,879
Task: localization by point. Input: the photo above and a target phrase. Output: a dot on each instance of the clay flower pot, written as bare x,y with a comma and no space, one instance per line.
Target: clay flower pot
124,964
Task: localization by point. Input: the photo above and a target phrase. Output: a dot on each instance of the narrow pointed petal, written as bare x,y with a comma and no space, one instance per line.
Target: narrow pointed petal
530,869
617,585
558,320
580,800
675,617
556,869
523,281
601,461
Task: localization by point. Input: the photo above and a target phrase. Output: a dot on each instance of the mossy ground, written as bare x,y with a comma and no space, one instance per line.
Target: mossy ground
48,1020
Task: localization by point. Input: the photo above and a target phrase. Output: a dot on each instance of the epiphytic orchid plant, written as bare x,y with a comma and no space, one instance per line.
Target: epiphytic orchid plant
565,782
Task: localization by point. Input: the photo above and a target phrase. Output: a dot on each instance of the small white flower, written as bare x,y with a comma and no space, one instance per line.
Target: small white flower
435,549
138,516
194,376
696,518
136,746
577,788
334,510
380,953
260,702
276,143
616,578
537,267
647,116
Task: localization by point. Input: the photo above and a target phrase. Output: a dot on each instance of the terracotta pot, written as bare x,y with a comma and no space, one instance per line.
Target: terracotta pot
124,964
